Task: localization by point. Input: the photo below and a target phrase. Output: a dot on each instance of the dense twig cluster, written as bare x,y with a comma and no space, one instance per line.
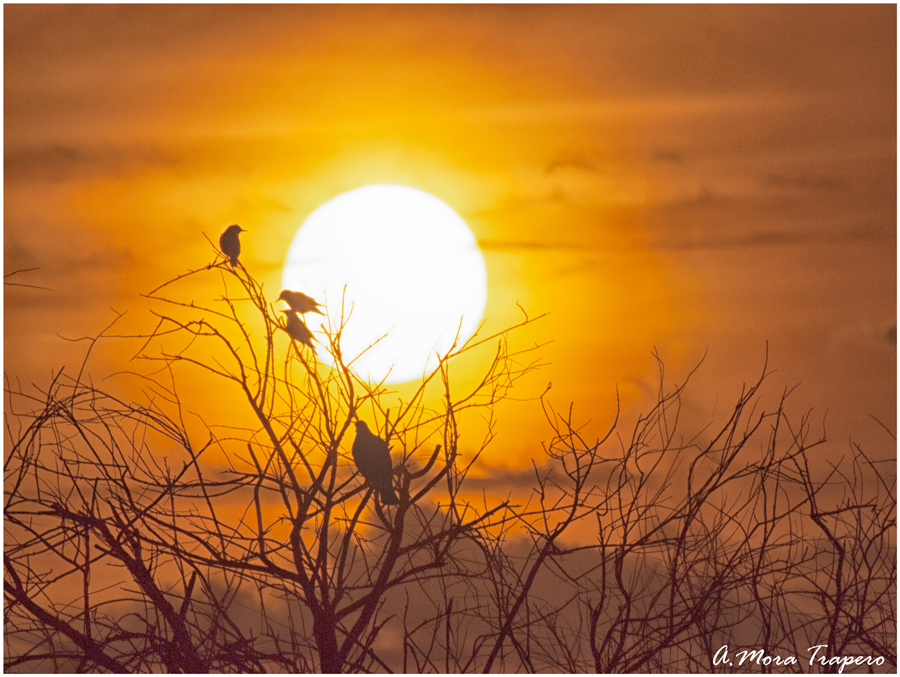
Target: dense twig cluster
188,533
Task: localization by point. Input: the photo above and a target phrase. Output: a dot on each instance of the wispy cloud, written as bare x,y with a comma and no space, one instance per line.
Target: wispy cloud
667,155
573,163
531,245
63,162
767,239
801,181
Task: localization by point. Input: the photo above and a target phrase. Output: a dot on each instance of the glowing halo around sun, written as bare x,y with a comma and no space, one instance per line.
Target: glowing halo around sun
413,272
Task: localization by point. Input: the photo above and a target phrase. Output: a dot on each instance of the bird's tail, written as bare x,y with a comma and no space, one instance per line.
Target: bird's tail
389,496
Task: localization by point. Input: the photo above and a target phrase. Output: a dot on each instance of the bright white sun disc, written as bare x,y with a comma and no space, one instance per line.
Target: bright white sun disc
412,270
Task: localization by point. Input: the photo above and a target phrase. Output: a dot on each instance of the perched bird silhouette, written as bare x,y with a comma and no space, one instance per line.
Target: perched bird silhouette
230,244
373,458
300,302
297,329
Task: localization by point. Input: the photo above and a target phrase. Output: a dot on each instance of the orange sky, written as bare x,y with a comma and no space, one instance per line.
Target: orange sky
685,178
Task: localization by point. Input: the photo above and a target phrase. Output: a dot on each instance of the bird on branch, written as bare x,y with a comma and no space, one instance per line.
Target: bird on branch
300,302
373,458
297,329
230,244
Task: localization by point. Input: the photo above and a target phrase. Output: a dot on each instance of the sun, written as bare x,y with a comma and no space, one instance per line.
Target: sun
413,273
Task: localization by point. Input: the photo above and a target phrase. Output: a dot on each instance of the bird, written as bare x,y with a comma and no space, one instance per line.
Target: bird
373,458
300,302
230,244
297,329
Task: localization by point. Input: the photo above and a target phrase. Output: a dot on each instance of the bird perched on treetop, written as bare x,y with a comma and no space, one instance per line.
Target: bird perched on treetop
297,329
300,302
373,458
230,244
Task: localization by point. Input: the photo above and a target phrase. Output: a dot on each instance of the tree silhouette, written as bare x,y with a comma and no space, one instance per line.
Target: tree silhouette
183,532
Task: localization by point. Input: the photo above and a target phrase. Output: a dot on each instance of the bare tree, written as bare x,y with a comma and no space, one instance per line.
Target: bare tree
180,531
273,508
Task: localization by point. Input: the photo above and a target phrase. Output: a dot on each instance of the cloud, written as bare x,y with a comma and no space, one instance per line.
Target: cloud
576,164
519,202
769,238
17,256
71,254
801,181
667,155
704,241
60,162
532,245
497,481
81,275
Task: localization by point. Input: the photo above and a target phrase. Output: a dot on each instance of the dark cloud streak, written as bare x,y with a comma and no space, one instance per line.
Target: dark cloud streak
769,239
61,162
531,245
576,164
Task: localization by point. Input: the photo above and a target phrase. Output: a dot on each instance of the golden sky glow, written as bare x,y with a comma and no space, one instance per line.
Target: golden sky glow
685,178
